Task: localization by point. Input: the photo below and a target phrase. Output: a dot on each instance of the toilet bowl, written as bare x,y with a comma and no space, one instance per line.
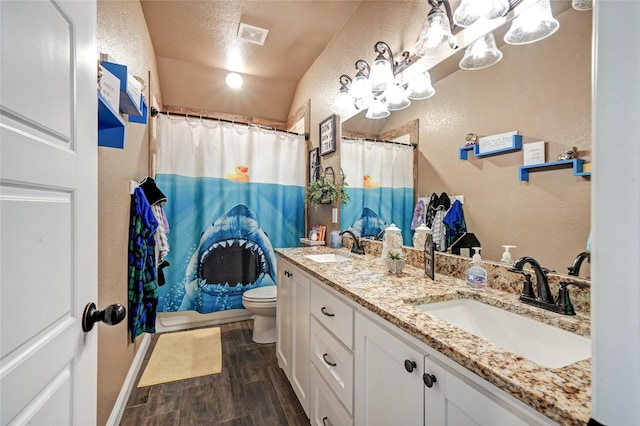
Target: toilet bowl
261,302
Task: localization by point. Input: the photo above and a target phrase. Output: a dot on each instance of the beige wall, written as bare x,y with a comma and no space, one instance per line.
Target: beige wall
121,33
542,90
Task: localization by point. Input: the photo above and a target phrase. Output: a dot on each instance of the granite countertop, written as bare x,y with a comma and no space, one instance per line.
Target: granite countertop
562,394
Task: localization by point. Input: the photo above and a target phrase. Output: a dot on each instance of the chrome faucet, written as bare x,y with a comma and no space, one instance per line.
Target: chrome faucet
544,299
357,248
528,296
574,269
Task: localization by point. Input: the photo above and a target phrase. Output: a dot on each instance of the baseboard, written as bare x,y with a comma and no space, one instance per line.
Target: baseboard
129,382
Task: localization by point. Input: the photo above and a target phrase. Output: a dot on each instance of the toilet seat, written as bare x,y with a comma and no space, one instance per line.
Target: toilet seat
266,294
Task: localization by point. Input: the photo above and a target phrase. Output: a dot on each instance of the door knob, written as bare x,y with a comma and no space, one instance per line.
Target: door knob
111,315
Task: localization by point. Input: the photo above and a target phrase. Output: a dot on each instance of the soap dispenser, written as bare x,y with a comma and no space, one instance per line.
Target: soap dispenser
506,256
476,275
392,240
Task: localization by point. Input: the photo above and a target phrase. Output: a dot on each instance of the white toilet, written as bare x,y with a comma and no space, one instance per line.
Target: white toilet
261,302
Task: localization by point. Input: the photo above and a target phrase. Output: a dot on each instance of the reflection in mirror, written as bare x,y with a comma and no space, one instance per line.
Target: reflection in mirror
379,169
542,90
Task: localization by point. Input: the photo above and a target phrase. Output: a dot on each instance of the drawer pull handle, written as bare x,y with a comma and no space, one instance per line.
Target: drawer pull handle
324,420
324,358
409,365
428,379
324,312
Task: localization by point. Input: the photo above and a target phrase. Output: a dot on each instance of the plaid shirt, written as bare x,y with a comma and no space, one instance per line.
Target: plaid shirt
143,286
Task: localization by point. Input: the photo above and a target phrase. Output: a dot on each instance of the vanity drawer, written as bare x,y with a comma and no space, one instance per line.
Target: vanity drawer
325,408
333,313
333,362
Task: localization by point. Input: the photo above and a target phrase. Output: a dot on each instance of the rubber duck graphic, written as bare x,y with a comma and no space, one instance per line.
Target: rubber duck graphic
368,183
240,174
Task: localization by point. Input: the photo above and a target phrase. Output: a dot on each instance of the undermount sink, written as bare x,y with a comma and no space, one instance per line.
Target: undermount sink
326,258
541,343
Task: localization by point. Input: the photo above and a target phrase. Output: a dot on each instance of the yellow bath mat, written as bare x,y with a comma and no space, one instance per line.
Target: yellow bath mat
183,355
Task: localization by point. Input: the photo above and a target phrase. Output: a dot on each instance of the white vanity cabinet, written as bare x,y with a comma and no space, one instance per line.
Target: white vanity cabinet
388,377
452,400
331,352
400,380
292,328
347,365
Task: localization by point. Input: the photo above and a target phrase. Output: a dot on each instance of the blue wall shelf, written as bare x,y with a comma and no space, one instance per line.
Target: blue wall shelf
576,163
110,125
516,145
130,103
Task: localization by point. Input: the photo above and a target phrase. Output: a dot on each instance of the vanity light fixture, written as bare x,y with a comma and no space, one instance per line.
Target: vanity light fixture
420,87
344,105
471,11
436,38
374,88
396,98
482,53
361,91
533,24
377,110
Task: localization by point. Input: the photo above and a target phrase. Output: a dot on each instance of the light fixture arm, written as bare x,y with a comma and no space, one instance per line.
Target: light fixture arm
345,81
381,48
363,68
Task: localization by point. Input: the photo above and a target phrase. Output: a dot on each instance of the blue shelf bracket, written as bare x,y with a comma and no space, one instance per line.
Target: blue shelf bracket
516,145
576,163
111,127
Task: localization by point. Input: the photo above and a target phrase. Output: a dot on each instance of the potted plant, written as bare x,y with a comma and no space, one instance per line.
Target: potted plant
324,191
395,261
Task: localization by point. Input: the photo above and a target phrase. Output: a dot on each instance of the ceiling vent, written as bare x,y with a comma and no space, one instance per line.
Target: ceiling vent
251,34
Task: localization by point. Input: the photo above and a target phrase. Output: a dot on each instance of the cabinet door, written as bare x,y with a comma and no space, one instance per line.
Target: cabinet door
452,401
386,391
300,336
283,317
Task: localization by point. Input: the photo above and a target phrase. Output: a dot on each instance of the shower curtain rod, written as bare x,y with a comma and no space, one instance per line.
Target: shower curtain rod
413,145
155,111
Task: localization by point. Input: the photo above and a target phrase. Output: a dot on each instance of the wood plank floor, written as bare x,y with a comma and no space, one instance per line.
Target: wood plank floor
250,390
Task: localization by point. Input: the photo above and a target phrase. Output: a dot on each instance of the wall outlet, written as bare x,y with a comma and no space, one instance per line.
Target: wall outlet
334,215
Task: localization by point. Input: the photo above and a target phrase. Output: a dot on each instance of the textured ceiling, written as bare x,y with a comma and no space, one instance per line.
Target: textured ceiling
196,44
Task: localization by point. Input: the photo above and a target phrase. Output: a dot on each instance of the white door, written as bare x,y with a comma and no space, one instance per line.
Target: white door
48,211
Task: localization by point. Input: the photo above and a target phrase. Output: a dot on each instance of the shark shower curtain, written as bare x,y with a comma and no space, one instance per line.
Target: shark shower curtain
234,193
380,187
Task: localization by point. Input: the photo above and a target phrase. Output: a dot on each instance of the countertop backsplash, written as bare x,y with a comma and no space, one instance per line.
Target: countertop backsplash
499,276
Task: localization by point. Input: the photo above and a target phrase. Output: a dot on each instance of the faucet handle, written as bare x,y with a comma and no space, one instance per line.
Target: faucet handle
564,302
527,289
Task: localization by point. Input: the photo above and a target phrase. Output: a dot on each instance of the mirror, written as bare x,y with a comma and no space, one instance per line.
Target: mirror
541,90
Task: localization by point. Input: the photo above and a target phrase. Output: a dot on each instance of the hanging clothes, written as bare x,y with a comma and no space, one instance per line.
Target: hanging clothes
441,207
431,210
143,288
454,223
418,215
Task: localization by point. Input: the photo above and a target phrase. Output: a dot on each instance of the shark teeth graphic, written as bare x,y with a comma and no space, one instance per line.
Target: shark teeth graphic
234,255
229,263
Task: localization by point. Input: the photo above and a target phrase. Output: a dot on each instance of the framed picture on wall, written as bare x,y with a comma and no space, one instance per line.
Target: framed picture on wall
328,134
314,164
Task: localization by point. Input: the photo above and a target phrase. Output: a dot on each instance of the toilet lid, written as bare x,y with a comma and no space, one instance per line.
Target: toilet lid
261,294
